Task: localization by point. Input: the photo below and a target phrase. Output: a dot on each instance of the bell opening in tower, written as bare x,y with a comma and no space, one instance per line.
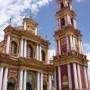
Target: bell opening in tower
62,22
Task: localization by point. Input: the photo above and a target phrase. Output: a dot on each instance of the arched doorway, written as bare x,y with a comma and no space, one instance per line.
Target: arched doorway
45,85
11,84
29,82
28,86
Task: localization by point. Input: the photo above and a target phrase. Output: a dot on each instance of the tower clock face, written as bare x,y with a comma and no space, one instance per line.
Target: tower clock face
63,45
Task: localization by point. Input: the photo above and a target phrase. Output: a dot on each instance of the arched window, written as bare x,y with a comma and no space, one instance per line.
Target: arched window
62,5
29,51
43,55
11,84
62,22
13,47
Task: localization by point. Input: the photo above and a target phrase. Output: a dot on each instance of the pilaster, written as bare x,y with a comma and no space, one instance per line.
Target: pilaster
5,79
38,81
50,82
59,77
8,44
21,80
75,76
1,77
21,47
86,77
25,48
79,77
69,77
25,79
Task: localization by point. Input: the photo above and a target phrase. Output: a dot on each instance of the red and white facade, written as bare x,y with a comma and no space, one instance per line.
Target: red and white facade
70,63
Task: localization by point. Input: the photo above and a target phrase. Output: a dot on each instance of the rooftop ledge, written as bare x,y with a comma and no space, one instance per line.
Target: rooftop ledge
70,57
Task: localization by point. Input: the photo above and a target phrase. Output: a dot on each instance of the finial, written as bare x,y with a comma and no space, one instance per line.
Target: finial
10,21
30,14
46,36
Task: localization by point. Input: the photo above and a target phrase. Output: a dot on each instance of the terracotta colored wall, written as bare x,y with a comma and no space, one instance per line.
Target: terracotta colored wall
64,71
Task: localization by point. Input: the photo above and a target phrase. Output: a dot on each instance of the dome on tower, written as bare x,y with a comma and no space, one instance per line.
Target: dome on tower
29,24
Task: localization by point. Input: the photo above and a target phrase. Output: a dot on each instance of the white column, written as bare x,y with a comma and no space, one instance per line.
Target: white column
41,81
59,23
75,24
74,46
38,81
59,6
21,80
5,79
75,76
21,48
66,4
40,53
67,44
8,44
71,7
86,77
66,22
36,31
79,77
56,44
59,47
59,77
71,42
1,77
68,19
50,83
81,46
25,26
69,77
25,79
25,48
37,51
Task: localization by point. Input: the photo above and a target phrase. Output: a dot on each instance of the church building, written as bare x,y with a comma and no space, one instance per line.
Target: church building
24,63
23,59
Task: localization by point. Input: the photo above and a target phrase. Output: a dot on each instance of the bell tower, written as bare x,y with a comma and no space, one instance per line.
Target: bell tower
70,63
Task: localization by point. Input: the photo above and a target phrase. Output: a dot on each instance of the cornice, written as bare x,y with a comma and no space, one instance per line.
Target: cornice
70,58
24,63
26,34
67,30
65,11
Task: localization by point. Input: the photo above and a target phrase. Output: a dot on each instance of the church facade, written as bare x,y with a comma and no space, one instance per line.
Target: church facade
23,59
24,63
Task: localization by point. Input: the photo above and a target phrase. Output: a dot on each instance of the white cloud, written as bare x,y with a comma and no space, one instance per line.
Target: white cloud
14,9
79,1
51,53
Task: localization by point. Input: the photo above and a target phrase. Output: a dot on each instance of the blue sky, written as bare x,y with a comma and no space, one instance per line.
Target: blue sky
43,11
